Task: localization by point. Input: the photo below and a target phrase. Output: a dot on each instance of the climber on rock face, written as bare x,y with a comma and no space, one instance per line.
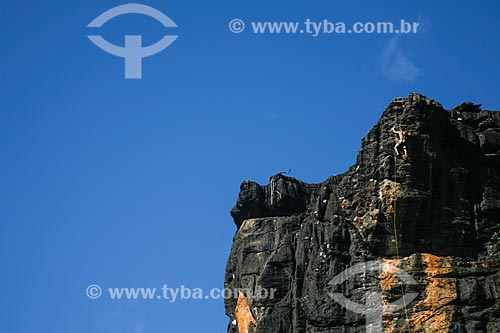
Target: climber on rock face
401,144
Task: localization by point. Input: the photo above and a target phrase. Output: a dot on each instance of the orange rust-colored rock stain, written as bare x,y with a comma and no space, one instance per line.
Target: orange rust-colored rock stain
244,317
437,309
433,312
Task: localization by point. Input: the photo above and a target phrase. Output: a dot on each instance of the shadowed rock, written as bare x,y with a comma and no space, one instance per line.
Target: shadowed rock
438,211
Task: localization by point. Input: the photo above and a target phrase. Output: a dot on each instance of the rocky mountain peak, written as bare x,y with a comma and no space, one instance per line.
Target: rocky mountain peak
434,211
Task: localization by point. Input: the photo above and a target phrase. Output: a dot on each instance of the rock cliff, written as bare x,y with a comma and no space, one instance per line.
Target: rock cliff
431,216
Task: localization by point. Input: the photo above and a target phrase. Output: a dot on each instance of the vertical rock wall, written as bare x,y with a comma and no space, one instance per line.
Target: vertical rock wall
431,216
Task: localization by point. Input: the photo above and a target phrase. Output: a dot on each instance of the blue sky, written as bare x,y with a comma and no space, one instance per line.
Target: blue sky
129,183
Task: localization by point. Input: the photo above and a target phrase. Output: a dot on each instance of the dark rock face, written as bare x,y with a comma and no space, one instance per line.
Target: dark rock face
283,196
431,216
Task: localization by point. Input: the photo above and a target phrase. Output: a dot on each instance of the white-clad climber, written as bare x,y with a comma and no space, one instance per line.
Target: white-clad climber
401,144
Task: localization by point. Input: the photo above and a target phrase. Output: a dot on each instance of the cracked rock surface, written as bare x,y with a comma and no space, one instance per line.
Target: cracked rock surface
431,216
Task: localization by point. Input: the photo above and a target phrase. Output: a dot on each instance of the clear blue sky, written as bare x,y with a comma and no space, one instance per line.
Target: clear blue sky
129,183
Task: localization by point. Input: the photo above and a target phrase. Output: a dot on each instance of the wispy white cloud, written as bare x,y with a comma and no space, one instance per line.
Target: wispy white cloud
395,63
